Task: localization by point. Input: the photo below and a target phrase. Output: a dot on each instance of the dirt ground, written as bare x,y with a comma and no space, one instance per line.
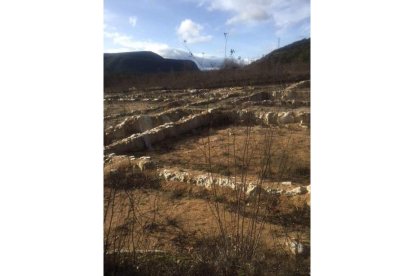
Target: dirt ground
175,216
173,221
290,147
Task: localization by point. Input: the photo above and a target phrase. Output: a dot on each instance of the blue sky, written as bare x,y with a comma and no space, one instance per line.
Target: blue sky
162,26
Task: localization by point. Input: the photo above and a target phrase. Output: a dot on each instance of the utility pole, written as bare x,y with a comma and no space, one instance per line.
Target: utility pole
278,42
186,46
225,45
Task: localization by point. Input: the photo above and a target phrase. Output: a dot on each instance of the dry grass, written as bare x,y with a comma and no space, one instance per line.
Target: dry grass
280,73
126,175
290,152
184,228
207,232
190,213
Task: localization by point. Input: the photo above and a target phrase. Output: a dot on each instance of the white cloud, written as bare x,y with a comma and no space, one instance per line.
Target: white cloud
133,21
250,17
128,43
174,53
191,32
283,13
203,61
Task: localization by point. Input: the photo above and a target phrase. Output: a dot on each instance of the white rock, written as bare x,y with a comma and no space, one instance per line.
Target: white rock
297,191
297,248
145,163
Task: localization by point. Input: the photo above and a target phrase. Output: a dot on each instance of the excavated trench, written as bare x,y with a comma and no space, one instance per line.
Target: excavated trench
138,133
142,123
141,132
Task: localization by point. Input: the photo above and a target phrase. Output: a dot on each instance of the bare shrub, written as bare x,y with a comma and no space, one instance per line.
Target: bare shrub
237,248
129,176
277,73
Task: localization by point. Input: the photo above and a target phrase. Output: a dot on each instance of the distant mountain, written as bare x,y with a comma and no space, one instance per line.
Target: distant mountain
203,62
144,62
296,52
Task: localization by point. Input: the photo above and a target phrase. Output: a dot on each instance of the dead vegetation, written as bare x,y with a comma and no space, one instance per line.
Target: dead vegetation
290,152
154,226
280,73
180,226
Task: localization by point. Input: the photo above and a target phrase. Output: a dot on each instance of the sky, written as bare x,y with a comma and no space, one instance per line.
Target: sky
194,29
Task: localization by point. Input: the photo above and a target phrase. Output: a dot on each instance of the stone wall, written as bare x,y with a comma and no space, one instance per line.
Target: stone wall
145,140
142,123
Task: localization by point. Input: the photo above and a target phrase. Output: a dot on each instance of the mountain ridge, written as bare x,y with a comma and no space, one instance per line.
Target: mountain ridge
144,62
296,52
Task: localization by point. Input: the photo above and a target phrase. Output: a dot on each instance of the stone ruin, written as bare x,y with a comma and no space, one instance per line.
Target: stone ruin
252,187
142,123
142,132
